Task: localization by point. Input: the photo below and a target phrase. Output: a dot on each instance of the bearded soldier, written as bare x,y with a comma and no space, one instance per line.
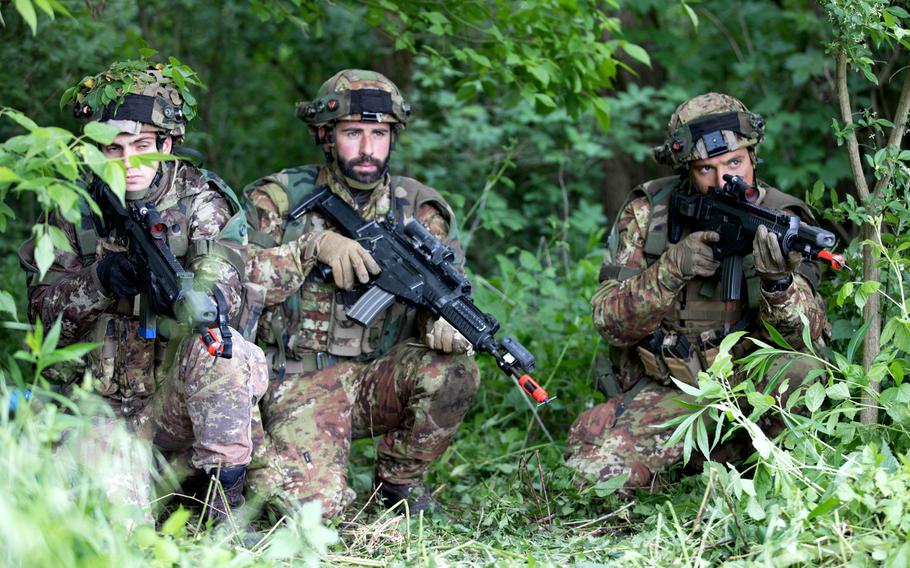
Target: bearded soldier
167,388
406,378
654,289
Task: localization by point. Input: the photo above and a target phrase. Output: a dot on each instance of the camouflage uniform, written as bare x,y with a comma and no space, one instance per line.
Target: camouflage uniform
169,389
640,293
333,379
383,380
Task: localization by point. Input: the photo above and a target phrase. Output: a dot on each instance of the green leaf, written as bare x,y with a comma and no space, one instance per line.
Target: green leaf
845,292
45,7
856,340
44,253
824,508
637,53
115,176
865,290
93,158
27,11
176,523
693,17
760,402
602,113
838,391
8,304
776,337
815,396
20,119
150,159
7,175
101,132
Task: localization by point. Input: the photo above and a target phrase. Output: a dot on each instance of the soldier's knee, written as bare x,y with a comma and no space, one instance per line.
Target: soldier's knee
450,376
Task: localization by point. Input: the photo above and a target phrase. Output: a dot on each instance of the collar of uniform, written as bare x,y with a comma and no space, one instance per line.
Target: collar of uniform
380,197
162,183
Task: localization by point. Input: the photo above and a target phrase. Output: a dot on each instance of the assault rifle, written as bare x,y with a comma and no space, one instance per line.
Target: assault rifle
731,211
167,289
418,269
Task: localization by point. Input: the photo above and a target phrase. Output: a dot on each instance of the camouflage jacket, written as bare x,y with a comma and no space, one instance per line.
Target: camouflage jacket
302,313
206,233
638,294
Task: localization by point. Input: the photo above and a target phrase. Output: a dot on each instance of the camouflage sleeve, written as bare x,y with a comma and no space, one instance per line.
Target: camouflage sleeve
433,219
627,310
281,269
782,310
209,216
69,290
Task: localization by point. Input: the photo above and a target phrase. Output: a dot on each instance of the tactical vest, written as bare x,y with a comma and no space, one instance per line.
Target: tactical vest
124,367
698,311
313,320
175,212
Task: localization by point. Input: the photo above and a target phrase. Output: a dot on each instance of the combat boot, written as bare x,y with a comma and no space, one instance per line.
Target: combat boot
226,496
417,495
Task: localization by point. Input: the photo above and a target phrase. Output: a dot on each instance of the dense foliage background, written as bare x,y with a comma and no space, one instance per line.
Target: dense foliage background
534,119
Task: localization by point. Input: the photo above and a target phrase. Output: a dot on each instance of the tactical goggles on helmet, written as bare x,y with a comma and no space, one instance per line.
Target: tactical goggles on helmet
361,105
681,147
138,108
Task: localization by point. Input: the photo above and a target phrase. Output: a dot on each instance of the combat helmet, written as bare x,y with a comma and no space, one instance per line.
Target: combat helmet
134,96
706,126
357,95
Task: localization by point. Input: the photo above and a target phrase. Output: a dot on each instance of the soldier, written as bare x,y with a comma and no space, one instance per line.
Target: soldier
168,389
651,288
406,378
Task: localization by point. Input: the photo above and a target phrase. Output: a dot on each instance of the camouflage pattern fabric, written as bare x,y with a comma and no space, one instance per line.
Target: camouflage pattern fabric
413,397
605,441
171,390
620,437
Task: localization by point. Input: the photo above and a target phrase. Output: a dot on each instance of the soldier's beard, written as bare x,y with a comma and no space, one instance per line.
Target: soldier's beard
348,171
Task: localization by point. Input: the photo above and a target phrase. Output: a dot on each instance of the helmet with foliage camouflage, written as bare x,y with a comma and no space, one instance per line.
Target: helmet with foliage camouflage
356,95
131,95
706,126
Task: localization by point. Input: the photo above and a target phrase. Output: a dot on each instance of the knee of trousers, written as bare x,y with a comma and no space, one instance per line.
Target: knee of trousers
244,374
449,379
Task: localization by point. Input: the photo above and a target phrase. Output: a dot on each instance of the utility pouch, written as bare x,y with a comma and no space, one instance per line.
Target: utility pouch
708,357
654,365
680,358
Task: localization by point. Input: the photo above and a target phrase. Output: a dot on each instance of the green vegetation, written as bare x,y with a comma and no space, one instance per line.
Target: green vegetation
511,102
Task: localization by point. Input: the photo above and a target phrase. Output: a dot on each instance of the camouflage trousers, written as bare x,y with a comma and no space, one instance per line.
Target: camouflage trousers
203,406
412,397
622,437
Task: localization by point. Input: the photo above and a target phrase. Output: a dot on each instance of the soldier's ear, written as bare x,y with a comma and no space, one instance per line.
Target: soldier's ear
167,145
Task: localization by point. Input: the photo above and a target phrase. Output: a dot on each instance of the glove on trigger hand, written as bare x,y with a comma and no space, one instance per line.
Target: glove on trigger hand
693,256
347,258
118,275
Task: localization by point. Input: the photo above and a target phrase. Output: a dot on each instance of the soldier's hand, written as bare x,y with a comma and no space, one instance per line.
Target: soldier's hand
443,337
118,275
692,256
770,263
347,259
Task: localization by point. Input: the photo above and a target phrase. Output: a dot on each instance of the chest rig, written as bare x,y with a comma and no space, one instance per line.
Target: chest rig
312,320
693,327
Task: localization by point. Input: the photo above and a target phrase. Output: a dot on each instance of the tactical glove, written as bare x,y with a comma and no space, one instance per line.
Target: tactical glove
346,258
443,337
770,263
118,275
692,256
